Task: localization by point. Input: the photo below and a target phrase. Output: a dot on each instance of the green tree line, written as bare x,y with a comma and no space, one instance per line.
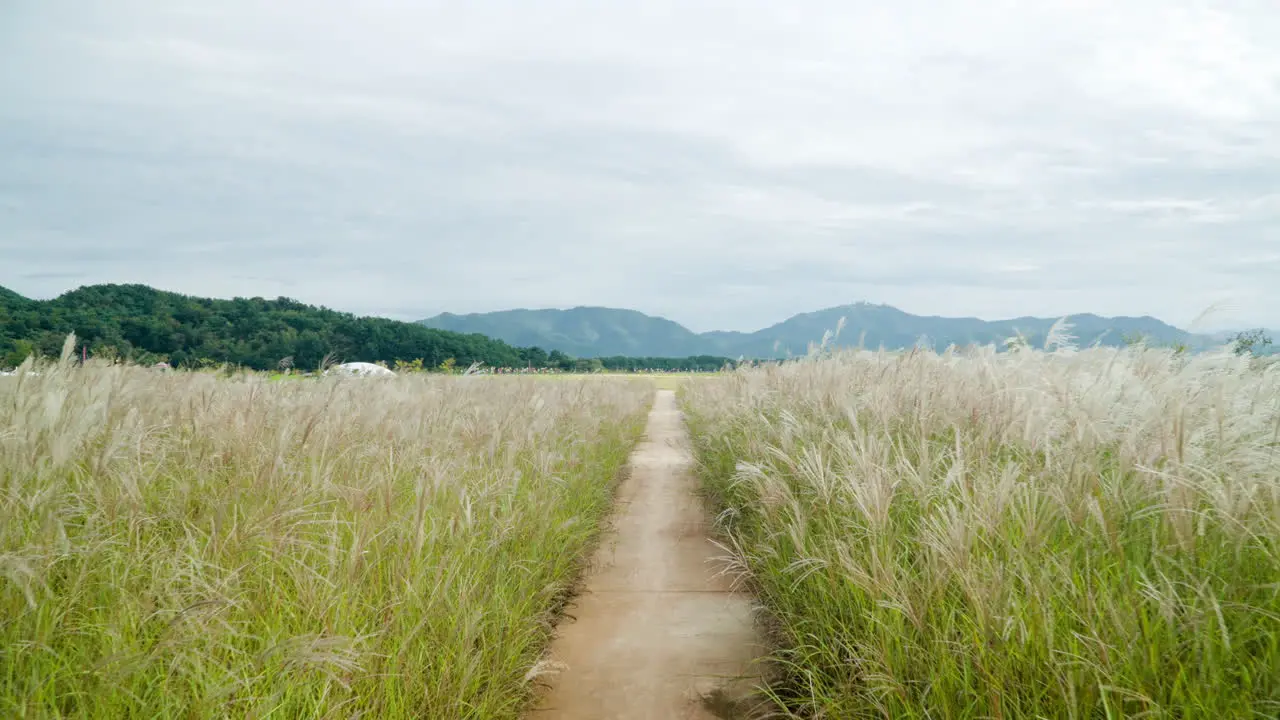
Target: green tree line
701,363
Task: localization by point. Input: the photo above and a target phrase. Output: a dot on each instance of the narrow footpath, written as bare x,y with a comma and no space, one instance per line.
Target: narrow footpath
658,632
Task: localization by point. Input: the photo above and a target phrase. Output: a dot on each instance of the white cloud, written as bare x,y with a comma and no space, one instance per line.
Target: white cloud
725,163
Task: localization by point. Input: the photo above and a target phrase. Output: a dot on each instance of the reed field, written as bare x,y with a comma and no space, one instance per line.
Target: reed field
1030,534
184,545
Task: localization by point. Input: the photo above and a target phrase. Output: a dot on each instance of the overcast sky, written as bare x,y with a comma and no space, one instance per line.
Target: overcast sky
724,164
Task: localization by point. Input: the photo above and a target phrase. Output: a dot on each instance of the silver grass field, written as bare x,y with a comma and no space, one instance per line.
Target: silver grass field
187,545
1030,534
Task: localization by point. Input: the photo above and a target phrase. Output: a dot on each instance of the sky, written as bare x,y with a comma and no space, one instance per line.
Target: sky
723,164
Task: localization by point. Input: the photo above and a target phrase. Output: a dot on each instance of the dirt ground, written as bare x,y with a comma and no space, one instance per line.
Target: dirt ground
657,632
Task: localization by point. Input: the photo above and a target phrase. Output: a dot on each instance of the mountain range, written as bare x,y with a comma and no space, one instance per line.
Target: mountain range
144,325
605,332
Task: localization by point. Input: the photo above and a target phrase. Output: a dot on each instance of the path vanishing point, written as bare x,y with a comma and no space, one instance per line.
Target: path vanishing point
657,633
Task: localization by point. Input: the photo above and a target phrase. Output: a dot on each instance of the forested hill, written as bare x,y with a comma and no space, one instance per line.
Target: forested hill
145,325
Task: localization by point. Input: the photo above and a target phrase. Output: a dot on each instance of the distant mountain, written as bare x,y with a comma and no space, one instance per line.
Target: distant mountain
580,331
601,332
884,326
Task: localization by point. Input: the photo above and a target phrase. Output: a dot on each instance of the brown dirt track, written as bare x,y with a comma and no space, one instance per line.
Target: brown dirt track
658,632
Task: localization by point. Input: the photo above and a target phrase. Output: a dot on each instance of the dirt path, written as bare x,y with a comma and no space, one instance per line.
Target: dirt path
658,634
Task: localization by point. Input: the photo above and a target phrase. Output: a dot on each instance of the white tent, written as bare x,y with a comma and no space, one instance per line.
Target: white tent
359,369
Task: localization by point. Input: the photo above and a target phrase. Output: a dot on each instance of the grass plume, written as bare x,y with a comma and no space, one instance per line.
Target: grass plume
1068,534
185,545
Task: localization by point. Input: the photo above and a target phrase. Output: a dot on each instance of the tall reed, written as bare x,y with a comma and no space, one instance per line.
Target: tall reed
184,545
1067,534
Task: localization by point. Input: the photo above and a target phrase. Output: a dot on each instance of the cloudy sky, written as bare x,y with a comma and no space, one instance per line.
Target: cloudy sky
725,164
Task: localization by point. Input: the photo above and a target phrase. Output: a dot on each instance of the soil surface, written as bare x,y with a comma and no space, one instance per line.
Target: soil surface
658,632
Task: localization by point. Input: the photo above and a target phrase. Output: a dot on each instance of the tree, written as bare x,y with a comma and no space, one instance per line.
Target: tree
560,360
21,350
534,357
1251,342
408,366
